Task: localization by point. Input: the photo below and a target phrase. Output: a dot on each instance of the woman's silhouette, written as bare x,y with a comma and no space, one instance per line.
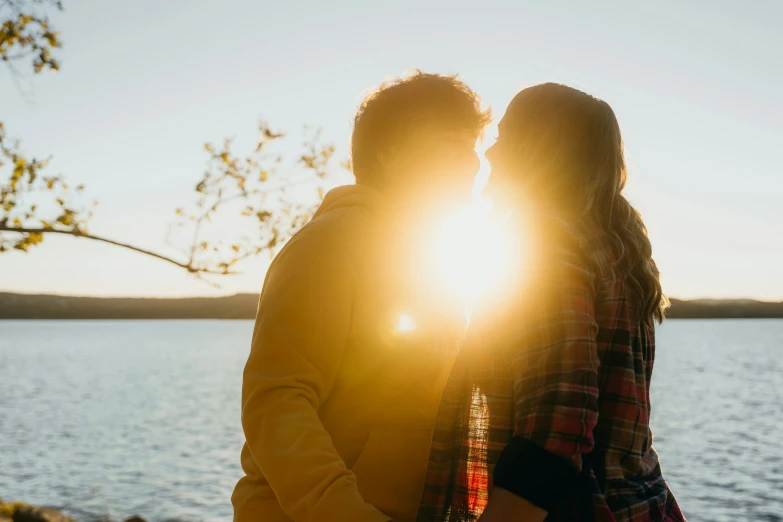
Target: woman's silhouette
548,405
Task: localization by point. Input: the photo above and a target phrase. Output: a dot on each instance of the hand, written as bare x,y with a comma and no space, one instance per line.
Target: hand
504,506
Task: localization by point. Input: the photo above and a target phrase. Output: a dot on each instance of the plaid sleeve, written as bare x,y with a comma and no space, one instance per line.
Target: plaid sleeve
554,362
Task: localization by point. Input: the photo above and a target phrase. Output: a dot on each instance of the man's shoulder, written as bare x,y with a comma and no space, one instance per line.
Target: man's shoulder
340,221
338,228
335,234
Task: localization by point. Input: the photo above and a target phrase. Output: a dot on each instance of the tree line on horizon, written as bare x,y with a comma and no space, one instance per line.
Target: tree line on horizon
243,306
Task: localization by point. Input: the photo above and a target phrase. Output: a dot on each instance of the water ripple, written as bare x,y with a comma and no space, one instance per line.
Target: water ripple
123,418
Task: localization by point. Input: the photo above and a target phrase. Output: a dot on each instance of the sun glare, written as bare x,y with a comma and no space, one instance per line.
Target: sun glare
405,324
474,252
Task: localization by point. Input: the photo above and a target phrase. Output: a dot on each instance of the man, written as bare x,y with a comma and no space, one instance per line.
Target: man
354,338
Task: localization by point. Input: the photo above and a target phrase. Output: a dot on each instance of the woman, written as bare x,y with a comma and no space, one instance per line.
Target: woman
548,406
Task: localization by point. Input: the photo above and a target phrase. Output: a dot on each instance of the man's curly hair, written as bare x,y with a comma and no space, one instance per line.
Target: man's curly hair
406,103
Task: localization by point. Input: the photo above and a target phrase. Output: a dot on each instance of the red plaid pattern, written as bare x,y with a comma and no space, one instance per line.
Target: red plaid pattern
566,368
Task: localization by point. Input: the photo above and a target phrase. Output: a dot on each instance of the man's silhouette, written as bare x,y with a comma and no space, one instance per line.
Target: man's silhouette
354,339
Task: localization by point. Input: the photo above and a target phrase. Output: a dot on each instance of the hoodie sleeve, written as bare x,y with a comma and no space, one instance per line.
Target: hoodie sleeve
302,325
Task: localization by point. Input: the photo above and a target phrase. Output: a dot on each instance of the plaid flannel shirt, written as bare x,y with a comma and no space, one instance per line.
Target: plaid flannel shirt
552,402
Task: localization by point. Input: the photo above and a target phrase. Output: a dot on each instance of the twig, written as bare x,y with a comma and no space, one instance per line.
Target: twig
76,233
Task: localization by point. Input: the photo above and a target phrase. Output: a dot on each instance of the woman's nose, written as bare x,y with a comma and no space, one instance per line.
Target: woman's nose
490,153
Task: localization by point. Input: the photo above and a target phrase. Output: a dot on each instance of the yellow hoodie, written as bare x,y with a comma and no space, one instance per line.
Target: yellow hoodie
352,346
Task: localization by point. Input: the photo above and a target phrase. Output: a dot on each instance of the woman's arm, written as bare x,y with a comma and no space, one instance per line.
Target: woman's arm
554,363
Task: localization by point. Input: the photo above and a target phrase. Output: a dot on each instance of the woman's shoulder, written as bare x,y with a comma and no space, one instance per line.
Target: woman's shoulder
580,241
579,247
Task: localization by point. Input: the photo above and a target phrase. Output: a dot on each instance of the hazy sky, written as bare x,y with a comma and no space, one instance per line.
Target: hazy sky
696,86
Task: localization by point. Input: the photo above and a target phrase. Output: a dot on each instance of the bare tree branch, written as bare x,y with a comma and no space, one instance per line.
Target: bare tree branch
77,233
33,205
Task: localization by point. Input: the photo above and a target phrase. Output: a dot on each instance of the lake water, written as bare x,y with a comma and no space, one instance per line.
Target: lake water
142,417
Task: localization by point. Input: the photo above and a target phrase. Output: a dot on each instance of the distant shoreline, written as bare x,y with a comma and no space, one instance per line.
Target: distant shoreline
243,306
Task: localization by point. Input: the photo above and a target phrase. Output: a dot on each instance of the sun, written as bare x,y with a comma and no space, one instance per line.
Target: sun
474,251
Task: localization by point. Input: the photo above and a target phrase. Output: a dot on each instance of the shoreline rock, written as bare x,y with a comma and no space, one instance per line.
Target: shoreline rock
21,512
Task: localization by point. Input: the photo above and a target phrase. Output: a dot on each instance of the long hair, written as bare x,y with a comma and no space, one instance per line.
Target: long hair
570,149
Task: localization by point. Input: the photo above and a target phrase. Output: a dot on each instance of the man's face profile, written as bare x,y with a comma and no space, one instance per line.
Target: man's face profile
435,167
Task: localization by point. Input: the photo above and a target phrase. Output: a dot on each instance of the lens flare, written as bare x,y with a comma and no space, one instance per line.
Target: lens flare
474,251
405,324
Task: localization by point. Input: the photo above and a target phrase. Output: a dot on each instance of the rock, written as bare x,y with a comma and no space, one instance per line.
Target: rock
25,513
21,512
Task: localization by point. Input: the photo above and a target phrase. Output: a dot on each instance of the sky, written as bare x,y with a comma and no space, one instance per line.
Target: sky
696,86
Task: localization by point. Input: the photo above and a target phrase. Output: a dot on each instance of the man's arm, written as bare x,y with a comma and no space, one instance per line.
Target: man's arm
302,325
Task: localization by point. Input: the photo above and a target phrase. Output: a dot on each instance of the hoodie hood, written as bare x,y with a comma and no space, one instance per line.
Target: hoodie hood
346,196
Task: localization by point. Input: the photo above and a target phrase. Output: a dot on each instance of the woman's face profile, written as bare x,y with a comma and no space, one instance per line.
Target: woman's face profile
506,174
